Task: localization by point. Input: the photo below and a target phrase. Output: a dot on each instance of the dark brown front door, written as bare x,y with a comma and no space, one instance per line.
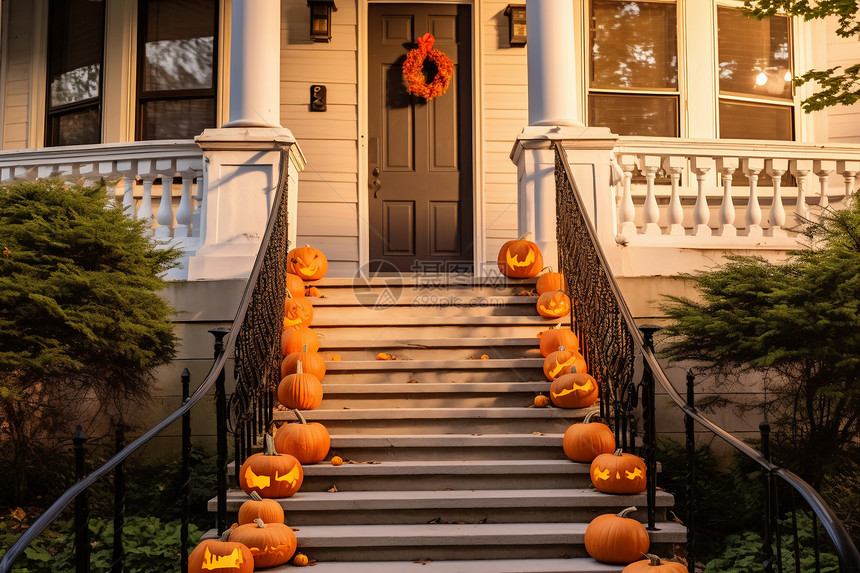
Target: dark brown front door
420,152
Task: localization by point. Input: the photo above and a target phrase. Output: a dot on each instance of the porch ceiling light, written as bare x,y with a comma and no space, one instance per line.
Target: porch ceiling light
516,14
321,19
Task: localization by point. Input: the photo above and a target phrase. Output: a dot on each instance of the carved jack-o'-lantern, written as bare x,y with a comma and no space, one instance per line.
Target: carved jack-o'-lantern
298,311
553,304
574,390
555,336
616,538
221,556
307,262
561,362
271,544
550,282
520,259
618,473
585,441
654,564
271,474
295,285
312,363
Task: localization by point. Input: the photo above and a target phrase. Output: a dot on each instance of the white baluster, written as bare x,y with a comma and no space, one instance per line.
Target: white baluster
674,165
196,215
183,211
701,212
823,168
776,168
801,168
752,168
165,205
147,175
727,167
626,211
126,169
650,165
849,171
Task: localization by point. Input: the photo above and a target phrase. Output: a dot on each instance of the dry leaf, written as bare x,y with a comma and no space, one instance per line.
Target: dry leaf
385,356
332,489
537,433
484,357
425,562
19,514
412,381
335,358
437,520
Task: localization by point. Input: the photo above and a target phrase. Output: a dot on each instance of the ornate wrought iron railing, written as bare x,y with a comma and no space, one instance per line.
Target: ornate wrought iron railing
611,339
256,339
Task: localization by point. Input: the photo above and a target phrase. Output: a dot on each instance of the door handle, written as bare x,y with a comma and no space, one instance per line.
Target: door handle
377,185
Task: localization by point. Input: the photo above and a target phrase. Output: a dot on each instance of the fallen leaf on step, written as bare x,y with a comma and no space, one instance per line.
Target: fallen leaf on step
335,358
425,562
477,434
332,489
295,528
460,522
527,292
312,562
537,433
444,489
484,357
483,520
385,356
412,381
437,520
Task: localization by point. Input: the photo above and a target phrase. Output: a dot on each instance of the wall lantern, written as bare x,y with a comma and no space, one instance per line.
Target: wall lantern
516,14
321,19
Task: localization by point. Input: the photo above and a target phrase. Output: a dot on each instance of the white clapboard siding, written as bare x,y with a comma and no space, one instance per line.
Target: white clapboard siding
16,97
843,122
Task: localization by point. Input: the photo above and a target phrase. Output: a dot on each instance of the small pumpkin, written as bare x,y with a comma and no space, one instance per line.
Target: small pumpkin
618,473
563,361
574,390
269,510
616,538
541,401
520,259
271,544
295,339
313,292
221,556
300,390
298,311
312,363
309,443
336,461
300,560
585,441
307,262
553,304
654,564
271,474
550,282
295,285
555,336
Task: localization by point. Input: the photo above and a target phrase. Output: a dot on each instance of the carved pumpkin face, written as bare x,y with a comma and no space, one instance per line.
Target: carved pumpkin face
298,311
550,282
574,390
271,474
618,473
556,336
585,441
616,538
520,259
309,443
307,262
561,362
217,556
271,544
553,304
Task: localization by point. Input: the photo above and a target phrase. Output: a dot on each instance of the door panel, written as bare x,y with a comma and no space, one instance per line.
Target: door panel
420,152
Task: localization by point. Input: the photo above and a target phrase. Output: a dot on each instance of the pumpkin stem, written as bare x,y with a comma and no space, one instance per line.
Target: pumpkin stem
289,294
589,416
561,348
256,496
528,236
545,268
299,416
654,560
259,522
305,348
299,369
624,512
269,448
226,535
617,452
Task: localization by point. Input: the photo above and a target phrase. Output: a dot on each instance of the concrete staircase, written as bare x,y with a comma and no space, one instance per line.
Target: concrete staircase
447,467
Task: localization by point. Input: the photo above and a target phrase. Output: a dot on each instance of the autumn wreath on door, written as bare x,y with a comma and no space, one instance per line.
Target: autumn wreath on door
413,69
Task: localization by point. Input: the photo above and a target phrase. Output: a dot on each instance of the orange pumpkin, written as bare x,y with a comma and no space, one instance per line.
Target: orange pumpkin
295,339
309,443
271,544
307,262
520,259
553,304
552,338
271,474
298,311
574,390
563,361
585,441
221,556
300,560
336,461
295,285
550,282
618,473
541,401
312,363
269,510
654,564
300,390
616,538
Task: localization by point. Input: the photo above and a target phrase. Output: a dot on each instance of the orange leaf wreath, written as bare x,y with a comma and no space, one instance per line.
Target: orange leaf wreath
413,67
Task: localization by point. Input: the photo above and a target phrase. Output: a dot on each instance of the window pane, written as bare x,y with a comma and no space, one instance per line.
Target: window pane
76,47
634,45
179,48
754,55
75,127
635,114
742,120
177,119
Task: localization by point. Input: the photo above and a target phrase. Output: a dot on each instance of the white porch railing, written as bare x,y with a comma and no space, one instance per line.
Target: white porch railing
686,193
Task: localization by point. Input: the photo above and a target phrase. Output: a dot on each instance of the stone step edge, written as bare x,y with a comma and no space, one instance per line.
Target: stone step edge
426,300
327,343
575,565
400,320
425,281
407,414
448,468
454,365
419,387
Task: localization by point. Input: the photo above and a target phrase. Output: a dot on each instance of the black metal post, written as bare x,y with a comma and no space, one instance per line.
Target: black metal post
650,426
764,430
221,431
82,525
185,477
118,557
689,429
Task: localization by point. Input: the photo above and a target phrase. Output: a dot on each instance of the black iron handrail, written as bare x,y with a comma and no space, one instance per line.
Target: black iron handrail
847,552
225,349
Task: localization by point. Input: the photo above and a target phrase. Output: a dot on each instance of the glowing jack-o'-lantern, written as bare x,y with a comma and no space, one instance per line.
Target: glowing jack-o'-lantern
618,473
520,259
298,311
295,285
307,262
555,336
309,443
654,564
550,282
553,304
301,390
271,544
585,441
561,362
221,556
616,538
574,390
271,474
312,363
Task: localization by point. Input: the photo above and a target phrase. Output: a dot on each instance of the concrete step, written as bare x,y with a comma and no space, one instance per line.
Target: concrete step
433,348
432,395
577,565
452,506
399,326
435,371
357,307
409,285
416,421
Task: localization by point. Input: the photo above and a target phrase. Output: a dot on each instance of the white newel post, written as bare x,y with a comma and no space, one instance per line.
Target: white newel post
552,63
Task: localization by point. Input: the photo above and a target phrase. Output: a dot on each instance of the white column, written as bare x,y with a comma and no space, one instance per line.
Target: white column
552,63
255,64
